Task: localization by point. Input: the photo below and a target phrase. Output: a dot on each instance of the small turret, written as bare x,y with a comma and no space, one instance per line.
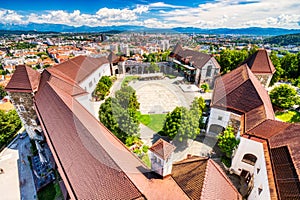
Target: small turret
161,153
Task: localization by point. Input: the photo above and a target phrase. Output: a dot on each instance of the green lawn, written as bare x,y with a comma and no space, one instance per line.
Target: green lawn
289,116
50,192
153,121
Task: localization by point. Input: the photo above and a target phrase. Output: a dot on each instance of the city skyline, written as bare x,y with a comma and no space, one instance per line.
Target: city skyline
156,14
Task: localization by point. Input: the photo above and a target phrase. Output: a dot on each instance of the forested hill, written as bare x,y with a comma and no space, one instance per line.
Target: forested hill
291,39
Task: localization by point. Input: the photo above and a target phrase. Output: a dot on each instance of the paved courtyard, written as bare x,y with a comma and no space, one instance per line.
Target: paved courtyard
162,96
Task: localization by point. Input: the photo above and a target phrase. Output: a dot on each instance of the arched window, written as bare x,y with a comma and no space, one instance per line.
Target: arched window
250,159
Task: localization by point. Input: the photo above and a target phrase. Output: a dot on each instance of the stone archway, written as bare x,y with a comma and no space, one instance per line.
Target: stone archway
216,129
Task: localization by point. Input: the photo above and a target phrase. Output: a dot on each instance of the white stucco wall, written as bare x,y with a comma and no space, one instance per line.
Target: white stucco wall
218,117
94,78
260,178
165,166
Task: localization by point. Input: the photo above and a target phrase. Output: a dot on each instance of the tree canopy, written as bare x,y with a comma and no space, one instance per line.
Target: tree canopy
3,93
230,59
182,124
119,114
284,96
102,88
227,141
10,123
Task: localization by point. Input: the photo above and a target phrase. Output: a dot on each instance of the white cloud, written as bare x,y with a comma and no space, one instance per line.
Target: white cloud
10,17
216,14
264,13
164,5
103,17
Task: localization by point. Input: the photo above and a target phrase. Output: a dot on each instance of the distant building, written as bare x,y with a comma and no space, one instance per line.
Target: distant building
197,67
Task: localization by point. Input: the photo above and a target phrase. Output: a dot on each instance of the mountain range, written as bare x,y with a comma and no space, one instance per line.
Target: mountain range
65,28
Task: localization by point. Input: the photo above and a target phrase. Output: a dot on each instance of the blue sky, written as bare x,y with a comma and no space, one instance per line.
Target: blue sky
155,14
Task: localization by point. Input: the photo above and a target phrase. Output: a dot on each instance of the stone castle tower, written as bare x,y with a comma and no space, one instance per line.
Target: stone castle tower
22,87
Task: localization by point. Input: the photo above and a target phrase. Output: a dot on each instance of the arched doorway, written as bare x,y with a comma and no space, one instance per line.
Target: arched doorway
216,129
250,159
127,69
116,71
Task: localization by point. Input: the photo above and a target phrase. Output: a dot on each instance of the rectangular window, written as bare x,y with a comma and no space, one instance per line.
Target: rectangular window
90,84
220,118
208,72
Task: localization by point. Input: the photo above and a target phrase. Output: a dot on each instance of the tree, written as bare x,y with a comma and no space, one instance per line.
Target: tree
107,117
197,107
182,124
103,87
284,96
279,71
106,80
205,87
9,124
289,63
127,98
101,90
227,141
118,120
230,59
3,93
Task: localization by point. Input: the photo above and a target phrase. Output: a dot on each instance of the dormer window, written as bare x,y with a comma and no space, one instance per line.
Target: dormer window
21,100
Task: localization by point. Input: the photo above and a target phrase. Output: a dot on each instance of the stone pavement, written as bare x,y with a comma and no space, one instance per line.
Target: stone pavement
162,96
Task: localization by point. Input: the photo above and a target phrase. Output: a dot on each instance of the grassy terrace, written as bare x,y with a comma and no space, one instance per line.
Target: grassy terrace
153,121
289,116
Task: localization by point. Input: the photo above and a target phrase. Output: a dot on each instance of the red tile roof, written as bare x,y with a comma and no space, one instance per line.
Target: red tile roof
260,62
241,92
24,79
196,58
93,163
90,171
162,148
201,178
80,67
283,142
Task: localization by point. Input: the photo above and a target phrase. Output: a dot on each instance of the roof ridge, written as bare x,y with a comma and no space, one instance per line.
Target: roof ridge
205,179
